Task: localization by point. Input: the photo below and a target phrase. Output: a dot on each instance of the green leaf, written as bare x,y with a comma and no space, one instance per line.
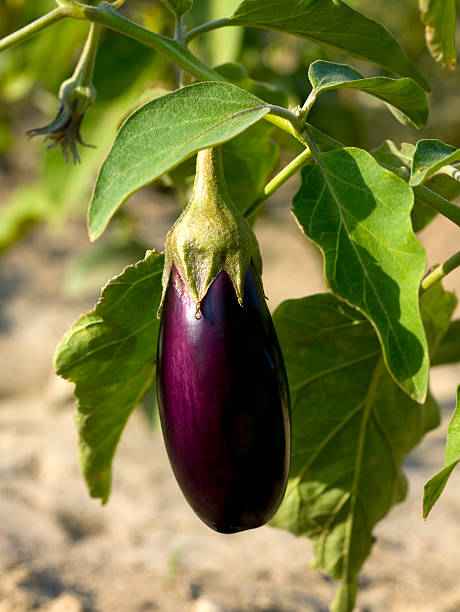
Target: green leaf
352,427
435,486
332,23
178,7
164,132
438,307
359,215
440,19
429,157
404,97
109,353
390,155
449,349
237,74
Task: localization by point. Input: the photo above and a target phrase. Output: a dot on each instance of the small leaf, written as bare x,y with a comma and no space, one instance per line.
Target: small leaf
440,19
447,187
359,215
438,307
435,486
429,157
389,153
404,97
449,348
164,132
352,427
109,353
332,23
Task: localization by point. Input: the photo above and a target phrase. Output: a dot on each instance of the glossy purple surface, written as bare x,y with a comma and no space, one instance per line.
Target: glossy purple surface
224,404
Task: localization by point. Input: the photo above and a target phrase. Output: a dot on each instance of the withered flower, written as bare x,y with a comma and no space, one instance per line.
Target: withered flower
75,99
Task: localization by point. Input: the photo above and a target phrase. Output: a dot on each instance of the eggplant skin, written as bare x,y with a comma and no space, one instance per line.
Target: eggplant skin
224,402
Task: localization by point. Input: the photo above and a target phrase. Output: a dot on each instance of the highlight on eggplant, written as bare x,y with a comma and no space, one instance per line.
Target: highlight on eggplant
224,402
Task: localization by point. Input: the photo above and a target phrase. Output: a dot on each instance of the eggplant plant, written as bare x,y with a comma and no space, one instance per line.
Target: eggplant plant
355,361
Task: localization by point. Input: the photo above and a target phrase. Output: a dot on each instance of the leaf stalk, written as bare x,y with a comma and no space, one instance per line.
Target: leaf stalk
442,205
440,272
33,28
207,27
301,160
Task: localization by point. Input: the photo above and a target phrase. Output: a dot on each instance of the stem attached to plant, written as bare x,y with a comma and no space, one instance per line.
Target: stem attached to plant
32,28
104,14
301,160
84,70
178,33
434,200
440,272
206,27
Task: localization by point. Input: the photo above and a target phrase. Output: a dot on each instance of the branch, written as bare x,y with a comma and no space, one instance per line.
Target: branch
32,28
440,272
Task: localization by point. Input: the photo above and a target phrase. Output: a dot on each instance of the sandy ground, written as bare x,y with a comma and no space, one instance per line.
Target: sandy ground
60,551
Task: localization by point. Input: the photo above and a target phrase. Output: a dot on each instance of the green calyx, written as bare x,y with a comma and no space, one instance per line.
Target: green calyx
211,234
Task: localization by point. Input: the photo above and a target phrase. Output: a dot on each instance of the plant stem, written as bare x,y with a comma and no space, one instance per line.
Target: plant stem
440,272
206,27
178,32
434,200
451,171
84,70
32,28
105,15
301,160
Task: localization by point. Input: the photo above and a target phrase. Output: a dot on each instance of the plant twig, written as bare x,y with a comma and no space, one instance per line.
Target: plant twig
440,272
206,27
301,160
32,28
442,205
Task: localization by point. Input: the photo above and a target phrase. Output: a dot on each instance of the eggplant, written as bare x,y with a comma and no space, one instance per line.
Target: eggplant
224,401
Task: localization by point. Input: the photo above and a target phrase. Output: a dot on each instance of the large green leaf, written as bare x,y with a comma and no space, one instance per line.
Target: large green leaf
404,97
440,19
435,486
164,132
352,427
332,23
358,213
109,353
429,157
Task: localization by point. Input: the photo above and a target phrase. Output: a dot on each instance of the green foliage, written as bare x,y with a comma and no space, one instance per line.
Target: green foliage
352,427
429,157
440,17
164,132
396,159
332,23
449,349
435,486
359,215
357,359
404,97
109,354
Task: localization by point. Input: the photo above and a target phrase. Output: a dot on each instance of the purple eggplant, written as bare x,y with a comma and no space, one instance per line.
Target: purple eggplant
224,401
